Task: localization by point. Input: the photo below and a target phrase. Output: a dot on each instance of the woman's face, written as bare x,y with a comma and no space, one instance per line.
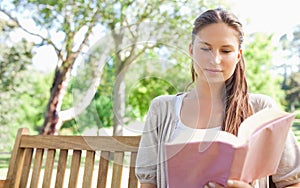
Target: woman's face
215,52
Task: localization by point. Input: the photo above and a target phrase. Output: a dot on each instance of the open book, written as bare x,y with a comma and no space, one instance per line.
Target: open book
196,157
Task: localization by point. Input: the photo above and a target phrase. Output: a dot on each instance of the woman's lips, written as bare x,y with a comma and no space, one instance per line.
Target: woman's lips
213,70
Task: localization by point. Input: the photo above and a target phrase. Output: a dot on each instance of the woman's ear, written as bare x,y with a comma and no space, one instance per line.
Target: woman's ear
240,54
191,49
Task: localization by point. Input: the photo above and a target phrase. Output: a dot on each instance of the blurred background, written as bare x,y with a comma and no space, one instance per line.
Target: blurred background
92,67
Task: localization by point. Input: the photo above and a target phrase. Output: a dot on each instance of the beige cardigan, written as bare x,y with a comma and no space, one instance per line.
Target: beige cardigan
159,126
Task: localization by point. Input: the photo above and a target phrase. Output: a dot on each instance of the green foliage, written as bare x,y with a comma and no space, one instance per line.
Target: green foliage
23,106
160,71
258,58
15,108
292,83
13,60
144,92
99,113
55,14
293,91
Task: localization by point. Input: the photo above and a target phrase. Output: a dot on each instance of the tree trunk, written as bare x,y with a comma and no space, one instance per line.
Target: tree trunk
57,93
119,102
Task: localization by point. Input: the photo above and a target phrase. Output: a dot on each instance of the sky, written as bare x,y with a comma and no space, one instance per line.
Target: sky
275,17
270,16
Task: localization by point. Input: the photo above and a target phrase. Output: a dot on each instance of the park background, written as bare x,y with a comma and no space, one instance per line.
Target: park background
92,67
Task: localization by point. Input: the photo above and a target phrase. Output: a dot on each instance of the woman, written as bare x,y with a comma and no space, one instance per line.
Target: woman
219,100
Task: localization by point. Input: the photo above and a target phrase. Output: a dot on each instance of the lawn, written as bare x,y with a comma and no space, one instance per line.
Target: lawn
4,159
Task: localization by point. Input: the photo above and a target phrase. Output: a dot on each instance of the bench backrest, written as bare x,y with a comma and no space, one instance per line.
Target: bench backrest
72,161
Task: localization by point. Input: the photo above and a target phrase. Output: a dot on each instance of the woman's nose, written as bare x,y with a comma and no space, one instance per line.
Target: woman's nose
216,59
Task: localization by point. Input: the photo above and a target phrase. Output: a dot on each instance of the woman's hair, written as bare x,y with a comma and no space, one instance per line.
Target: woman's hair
237,107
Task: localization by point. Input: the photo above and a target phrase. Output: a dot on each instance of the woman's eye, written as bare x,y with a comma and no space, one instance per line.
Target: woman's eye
205,49
226,51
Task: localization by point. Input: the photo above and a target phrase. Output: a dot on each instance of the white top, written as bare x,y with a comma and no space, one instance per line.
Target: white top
180,127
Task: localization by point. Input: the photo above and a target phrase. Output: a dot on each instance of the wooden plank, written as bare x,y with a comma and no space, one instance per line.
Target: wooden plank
132,180
88,169
26,167
48,168
117,169
17,171
37,165
12,162
3,183
61,168
75,165
16,160
21,159
94,143
103,169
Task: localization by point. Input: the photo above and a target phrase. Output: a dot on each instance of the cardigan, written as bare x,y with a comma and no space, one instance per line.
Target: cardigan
159,127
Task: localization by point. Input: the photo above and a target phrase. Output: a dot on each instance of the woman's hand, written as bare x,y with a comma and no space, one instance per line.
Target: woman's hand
230,184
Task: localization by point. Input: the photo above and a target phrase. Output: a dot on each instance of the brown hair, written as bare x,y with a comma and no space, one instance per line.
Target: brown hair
237,107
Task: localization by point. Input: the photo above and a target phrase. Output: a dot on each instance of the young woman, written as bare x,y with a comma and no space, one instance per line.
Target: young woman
219,100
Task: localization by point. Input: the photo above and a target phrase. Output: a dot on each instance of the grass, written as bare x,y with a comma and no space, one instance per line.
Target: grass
4,160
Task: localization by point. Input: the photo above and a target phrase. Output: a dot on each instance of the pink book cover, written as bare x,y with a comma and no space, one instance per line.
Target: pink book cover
194,164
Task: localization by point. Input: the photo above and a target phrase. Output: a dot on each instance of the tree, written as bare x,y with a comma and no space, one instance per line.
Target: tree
291,75
78,19
295,43
160,71
258,57
98,113
293,91
137,26
15,58
68,18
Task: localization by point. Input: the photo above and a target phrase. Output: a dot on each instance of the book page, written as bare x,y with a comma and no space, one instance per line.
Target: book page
206,135
265,148
258,120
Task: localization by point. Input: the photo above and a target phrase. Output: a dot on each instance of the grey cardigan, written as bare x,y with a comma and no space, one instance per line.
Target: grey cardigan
159,127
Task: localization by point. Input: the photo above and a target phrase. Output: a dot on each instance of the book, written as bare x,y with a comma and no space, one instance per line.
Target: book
197,157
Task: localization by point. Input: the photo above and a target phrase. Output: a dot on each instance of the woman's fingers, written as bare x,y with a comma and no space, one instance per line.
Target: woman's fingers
213,185
236,184
230,184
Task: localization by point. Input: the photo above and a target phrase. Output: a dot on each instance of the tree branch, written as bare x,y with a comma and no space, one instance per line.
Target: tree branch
48,41
88,33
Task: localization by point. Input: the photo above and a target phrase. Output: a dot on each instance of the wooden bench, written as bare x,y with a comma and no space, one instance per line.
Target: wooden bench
43,161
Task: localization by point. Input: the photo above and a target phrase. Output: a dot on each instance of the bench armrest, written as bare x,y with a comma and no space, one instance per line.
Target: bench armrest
3,183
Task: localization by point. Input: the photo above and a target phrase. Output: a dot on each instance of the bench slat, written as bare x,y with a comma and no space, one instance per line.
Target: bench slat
117,169
88,169
75,165
103,169
26,167
61,168
97,143
132,181
49,168
16,152
37,165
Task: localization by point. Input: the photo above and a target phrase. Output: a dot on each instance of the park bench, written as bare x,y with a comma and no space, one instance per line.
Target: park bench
43,161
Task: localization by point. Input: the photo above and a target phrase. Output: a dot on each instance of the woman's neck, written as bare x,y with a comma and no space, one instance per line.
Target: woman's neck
209,91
